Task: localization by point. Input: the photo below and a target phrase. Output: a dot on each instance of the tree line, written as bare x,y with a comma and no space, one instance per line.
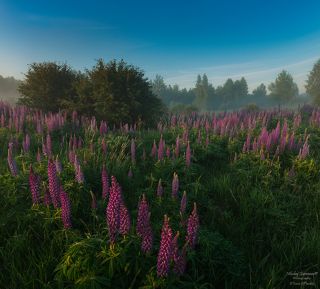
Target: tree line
119,92
233,93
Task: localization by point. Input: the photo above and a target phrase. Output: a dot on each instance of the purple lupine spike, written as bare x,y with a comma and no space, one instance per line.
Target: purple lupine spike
183,204
113,210
175,185
49,145
160,149
11,161
143,212
147,237
105,183
54,188
188,155
79,174
177,149
159,189
168,152
124,220
193,227
34,183
133,151
65,209
165,251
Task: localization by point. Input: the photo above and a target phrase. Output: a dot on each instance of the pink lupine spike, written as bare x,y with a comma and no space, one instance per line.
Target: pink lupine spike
65,209
54,188
165,251
193,227
147,237
34,183
175,185
159,189
124,220
183,204
143,212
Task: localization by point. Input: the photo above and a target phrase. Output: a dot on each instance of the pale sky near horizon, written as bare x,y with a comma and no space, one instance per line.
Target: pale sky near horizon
177,39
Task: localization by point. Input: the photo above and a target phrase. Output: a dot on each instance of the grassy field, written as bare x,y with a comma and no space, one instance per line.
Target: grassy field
252,176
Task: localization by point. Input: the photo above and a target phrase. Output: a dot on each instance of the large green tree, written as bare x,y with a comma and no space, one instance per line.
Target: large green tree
313,83
284,88
121,93
260,91
48,85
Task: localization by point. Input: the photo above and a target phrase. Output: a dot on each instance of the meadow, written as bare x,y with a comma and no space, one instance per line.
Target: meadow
215,200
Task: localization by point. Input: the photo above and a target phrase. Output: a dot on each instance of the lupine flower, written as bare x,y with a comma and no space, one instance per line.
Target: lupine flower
54,188
165,251
159,189
175,185
179,258
11,162
105,183
177,149
113,210
79,174
48,145
147,236
183,203
143,212
188,155
133,151
193,227
160,149
34,182
65,209
124,220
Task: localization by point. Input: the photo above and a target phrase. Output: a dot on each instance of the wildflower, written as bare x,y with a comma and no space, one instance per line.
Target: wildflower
193,227
34,182
175,185
65,209
53,183
165,251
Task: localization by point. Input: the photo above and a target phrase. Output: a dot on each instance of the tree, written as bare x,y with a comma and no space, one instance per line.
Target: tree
121,93
260,91
284,88
201,90
313,83
9,89
47,85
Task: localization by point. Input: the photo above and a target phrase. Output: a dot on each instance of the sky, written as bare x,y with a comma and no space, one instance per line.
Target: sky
176,39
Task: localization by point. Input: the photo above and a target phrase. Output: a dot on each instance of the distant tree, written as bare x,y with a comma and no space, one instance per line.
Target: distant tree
9,89
260,91
158,86
313,83
47,85
228,91
201,91
284,88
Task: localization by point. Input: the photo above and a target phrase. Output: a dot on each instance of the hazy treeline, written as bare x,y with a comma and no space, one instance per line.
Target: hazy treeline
9,89
232,94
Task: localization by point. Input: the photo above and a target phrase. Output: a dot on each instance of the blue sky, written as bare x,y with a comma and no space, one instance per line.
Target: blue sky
177,39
